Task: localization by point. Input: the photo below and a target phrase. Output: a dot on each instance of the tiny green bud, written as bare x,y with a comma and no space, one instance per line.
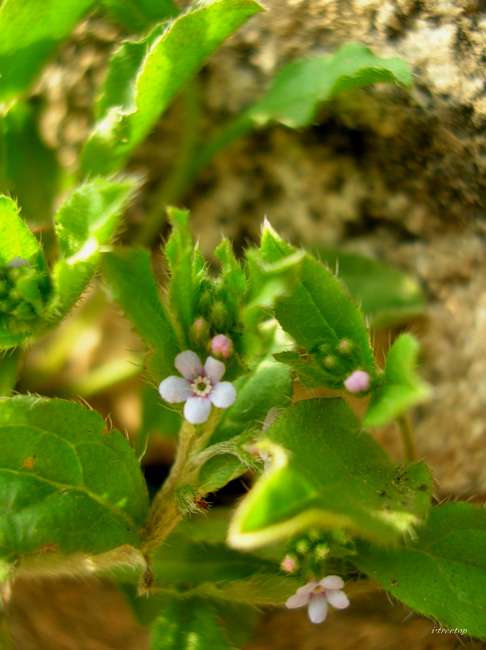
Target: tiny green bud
320,551
303,545
344,346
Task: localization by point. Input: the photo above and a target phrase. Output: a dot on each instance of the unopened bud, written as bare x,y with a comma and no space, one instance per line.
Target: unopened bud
221,346
358,382
289,563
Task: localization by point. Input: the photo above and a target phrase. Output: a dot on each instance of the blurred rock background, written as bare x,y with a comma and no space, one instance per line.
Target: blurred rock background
394,174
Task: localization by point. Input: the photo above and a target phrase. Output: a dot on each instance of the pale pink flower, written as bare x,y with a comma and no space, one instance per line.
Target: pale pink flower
358,382
199,387
317,595
221,345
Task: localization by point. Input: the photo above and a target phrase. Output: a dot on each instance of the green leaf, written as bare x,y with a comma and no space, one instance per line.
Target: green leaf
87,220
385,295
31,33
401,386
302,86
171,61
16,240
232,273
118,90
32,172
321,317
190,564
188,624
327,473
66,483
9,370
179,254
269,385
139,15
130,278
442,572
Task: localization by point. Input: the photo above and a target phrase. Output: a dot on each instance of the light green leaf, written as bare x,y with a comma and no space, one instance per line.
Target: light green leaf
442,572
118,90
401,386
67,483
31,33
385,295
87,221
302,86
170,62
16,240
138,15
32,172
327,473
132,283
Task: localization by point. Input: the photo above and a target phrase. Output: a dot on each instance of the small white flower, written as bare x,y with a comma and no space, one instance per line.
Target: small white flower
199,387
317,595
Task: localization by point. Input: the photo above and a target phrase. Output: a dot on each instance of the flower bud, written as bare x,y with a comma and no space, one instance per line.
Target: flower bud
289,563
221,346
358,382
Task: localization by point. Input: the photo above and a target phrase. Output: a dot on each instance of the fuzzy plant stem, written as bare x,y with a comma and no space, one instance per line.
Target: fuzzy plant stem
165,512
406,433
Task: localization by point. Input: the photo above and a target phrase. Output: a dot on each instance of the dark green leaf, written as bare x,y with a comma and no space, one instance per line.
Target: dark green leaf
169,63
132,283
401,385
32,172
325,472
31,33
188,624
442,572
67,483
321,317
385,295
268,386
138,15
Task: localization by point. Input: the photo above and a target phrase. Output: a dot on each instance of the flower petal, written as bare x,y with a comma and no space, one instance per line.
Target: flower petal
297,600
197,410
332,582
306,589
214,369
317,609
337,598
174,389
188,364
223,395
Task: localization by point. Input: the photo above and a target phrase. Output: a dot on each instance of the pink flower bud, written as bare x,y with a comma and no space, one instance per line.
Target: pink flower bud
289,563
358,381
222,346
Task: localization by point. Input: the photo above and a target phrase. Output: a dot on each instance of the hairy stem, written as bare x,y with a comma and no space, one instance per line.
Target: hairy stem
406,433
